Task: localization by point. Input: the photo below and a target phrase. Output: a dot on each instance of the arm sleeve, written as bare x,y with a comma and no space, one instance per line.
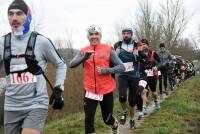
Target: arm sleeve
53,56
77,60
118,65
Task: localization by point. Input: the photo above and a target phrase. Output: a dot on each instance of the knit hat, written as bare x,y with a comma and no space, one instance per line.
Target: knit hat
162,45
127,29
19,4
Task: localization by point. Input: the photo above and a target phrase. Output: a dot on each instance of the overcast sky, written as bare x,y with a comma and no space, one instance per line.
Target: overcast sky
71,18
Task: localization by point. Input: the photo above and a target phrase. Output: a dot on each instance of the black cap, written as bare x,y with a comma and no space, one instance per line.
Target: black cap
162,45
19,4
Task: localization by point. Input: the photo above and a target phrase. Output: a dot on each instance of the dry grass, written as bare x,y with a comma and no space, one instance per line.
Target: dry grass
73,93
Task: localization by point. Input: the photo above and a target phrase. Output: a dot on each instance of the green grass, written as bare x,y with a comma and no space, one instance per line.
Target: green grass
179,114
74,124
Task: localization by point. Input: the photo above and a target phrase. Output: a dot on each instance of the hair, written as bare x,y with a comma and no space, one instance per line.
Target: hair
162,45
145,41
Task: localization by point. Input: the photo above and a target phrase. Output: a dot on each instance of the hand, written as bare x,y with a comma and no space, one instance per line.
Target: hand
56,99
102,70
99,70
88,54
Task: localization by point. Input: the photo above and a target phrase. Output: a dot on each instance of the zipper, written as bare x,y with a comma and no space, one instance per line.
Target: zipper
94,73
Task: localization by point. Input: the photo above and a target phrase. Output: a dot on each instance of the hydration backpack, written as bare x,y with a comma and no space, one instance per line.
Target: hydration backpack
32,63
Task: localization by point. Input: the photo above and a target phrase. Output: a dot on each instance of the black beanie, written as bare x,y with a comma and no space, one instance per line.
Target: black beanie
162,45
19,4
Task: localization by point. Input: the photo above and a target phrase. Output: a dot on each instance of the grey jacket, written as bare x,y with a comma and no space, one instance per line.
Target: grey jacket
165,57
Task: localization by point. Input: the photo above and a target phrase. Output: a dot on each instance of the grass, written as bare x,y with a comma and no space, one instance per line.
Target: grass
179,114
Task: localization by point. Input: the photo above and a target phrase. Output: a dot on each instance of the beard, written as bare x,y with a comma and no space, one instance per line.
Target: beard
127,40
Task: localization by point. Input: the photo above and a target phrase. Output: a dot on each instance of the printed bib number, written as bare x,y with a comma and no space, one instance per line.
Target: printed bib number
98,97
24,79
128,66
149,72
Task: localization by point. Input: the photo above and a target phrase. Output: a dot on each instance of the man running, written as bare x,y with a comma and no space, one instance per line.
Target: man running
130,56
98,82
25,54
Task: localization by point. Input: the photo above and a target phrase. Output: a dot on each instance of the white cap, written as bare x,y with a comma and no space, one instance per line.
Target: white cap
94,29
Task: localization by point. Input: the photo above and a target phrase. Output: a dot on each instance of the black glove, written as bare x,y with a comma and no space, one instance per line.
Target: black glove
87,55
56,99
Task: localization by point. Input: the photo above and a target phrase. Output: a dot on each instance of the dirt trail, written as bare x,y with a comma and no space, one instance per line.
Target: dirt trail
124,129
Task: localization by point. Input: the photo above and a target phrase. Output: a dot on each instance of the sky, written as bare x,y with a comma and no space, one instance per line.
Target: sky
69,19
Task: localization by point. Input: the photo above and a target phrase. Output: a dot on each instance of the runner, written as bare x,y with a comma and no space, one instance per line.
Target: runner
24,54
151,70
165,57
98,82
130,56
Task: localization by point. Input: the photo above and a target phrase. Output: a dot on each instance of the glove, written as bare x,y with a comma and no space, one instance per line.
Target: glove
56,99
87,55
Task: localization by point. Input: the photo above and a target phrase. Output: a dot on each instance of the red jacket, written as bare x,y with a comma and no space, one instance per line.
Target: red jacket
93,81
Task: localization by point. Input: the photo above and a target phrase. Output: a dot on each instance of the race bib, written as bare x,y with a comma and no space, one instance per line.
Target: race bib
149,72
98,97
25,78
128,66
142,83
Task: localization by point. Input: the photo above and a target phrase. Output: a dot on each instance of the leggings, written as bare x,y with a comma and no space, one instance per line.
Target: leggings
163,75
106,109
125,83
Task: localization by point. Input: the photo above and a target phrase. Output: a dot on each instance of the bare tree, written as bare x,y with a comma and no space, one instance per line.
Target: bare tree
186,48
148,23
172,14
65,45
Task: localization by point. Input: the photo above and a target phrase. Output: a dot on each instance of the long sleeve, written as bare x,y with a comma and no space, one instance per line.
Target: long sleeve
77,60
118,65
51,54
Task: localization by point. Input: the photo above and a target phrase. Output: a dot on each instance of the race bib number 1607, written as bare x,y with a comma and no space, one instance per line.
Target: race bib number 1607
24,78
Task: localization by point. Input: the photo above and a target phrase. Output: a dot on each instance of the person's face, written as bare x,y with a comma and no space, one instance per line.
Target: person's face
162,49
126,35
16,18
145,45
94,38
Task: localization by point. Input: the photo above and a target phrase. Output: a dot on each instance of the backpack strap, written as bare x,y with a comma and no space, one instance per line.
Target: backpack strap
31,61
7,52
31,45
